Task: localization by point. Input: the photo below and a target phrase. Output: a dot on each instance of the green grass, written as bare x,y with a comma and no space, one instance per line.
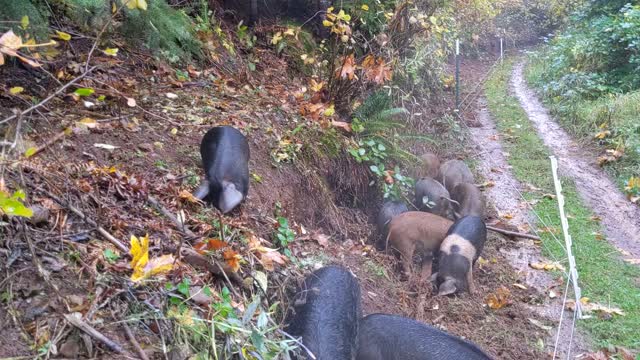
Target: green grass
603,276
582,118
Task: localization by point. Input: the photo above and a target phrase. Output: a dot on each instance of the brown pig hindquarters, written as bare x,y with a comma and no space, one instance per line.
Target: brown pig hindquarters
453,172
458,253
470,200
416,232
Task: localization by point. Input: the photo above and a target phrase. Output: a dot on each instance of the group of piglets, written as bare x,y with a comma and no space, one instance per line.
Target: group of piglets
447,226
327,316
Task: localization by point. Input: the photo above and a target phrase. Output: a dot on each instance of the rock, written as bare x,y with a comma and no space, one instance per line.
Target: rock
40,215
199,297
69,349
146,147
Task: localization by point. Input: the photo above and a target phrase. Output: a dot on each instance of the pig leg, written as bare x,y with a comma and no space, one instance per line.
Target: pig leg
406,250
470,285
427,264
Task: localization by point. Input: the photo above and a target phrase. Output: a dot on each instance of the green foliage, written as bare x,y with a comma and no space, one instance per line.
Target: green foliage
110,256
164,29
227,333
12,205
13,11
589,76
284,235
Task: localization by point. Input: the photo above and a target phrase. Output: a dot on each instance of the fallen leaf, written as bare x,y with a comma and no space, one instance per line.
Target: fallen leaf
131,102
143,267
552,294
106,146
487,184
348,68
174,131
171,95
111,51
30,152
84,91
136,4
499,299
16,90
546,266
63,35
520,286
589,307
24,22
633,261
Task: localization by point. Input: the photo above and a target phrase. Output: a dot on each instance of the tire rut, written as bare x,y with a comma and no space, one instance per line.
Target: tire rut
620,218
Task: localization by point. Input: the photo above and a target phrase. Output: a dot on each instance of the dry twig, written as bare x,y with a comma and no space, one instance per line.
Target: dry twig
75,319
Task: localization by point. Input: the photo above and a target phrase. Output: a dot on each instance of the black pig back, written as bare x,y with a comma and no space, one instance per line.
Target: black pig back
391,337
326,314
225,156
473,229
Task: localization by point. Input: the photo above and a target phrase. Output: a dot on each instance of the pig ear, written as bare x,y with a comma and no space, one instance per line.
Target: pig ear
448,287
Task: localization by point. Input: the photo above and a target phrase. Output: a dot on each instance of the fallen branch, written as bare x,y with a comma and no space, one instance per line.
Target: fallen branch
191,256
132,339
513,233
48,143
75,319
123,248
46,100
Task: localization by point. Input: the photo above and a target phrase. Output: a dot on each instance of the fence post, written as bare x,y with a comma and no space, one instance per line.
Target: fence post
457,75
573,272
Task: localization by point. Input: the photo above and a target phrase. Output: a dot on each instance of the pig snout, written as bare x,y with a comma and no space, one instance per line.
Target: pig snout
458,253
389,210
326,315
453,172
391,337
432,197
225,159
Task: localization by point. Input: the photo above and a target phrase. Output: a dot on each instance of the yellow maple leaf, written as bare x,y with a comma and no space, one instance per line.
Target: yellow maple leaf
329,111
139,251
277,37
16,90
316,86
365,7
290,32
327,23
143,267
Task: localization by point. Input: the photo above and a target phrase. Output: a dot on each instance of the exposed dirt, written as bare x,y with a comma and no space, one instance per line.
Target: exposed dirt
621,219
506,196
328,195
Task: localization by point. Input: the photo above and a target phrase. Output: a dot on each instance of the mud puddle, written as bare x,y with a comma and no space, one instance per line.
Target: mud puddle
505,195
620,218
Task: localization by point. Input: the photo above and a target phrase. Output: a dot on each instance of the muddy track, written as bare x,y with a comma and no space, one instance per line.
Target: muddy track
505,195
621,219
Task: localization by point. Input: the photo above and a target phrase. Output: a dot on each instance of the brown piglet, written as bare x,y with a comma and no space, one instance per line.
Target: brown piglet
430,166
416,232
453,172
470,201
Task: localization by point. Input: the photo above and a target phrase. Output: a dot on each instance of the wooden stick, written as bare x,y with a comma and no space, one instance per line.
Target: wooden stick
75,319
101,230
132,338
513,233
24,112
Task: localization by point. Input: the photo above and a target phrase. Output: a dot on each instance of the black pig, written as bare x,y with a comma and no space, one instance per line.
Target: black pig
432,197
388,211
225,159
391,337
458,253
326,314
